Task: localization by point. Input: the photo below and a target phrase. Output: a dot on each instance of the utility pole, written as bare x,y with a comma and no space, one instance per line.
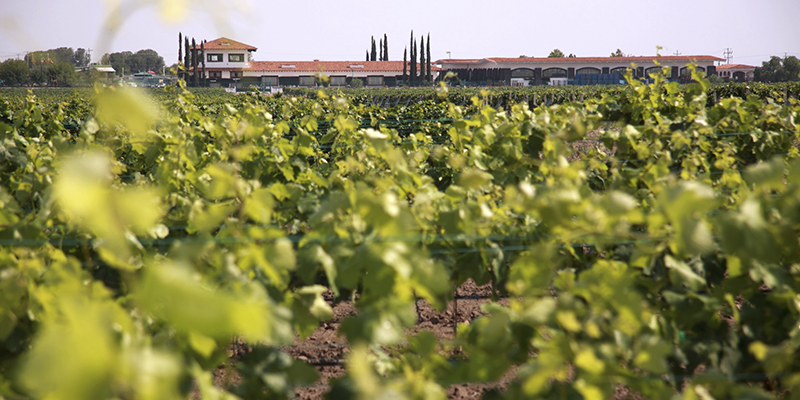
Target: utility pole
677,53
728,55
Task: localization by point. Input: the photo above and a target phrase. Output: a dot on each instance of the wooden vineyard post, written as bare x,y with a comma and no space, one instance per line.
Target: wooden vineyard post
455,309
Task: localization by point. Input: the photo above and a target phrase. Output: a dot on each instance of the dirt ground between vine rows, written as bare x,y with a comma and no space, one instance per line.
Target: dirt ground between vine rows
327,351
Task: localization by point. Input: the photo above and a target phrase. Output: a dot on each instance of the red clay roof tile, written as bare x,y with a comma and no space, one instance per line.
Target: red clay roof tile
735,66
535,60
224,43
331,66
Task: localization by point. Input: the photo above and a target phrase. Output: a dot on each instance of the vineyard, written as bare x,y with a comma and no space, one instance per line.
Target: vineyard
637,241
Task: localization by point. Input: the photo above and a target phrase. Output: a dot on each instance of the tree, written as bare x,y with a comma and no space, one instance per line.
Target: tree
186,58
412,76
422,59
61,55
119,61
14,72
180,46
148,60
405,61
428,57
37,76
715,79
195,75
81,58
367,59
791,68
571,55
373,56
617,53
61,74
777,70
142,60
105,60
380,49
203,57
385,48
556,54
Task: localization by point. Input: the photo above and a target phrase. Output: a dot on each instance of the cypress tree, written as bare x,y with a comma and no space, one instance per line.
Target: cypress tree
180,46
428,56
186,59
374,55
380,49
195,75
203,57
385,48
413,73
405,61
367,55
422,59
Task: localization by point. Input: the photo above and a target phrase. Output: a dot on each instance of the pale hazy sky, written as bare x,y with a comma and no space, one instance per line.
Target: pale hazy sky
296,30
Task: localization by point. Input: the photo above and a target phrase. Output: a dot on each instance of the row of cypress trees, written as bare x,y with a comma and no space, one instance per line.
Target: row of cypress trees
191,62
415,77
383,45
380,52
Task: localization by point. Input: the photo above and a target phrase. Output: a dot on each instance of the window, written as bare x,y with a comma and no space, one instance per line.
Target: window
374,80
236,74
306,81
554,73
522,73
215,74
214,57
652,71
236,57
269,80
338,81
619,70
587,71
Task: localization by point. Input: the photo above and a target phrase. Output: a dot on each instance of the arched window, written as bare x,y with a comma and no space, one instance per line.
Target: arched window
522,73
619,70
554,73
687,71
653,71
587,71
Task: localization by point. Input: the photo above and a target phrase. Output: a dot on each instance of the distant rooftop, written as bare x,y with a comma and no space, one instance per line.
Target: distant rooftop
224,43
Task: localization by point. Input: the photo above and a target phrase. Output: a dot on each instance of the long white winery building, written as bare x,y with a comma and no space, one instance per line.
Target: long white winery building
228,62
524,71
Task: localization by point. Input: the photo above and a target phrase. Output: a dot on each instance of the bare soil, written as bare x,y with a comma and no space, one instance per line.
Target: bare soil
327,351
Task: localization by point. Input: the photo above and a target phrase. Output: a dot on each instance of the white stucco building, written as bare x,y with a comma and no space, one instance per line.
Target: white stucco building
736,72
523,71
229,62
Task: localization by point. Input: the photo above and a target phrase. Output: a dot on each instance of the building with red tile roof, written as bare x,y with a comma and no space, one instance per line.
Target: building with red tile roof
524,71
736,72
229,62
